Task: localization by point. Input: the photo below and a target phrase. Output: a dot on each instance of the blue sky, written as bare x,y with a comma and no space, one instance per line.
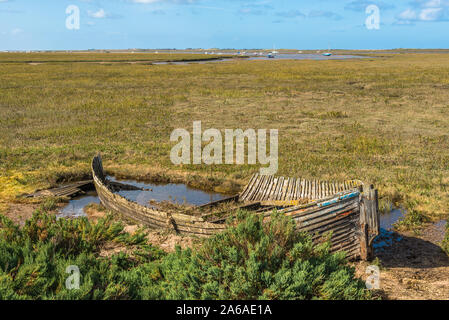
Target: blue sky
318,24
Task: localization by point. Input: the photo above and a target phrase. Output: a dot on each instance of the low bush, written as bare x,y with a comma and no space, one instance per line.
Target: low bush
252,259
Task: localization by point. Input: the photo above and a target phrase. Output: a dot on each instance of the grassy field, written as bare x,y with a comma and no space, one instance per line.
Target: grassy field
383,120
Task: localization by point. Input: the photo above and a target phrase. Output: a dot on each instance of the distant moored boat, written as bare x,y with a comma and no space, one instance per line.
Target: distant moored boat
328,53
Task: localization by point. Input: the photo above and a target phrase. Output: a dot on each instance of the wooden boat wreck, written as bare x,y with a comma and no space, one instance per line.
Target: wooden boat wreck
349,210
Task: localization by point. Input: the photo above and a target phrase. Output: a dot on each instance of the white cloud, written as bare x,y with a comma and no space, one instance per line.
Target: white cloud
425,11
408,14
431,14
432,4
145,1
169,1
16,31
100,14
360,5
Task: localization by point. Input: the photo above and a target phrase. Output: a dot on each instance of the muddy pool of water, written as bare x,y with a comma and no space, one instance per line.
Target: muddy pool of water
174,193
308,56
75,207
388,219
302,56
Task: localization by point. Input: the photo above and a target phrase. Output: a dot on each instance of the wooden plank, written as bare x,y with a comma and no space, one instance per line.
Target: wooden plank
292,192
309,189
303,189
253,188
267,191
318,189
268,188
325,214
263,183
321,189
279,188
290,187
244,193
297,195
286,189
311,227
259,192
314,190
325,192
273,189
214,203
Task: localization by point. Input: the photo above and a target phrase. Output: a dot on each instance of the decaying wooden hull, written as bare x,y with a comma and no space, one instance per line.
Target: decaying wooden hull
341,215
348,210
150,217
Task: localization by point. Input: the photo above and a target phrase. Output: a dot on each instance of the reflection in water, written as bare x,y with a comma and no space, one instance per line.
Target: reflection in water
387,236
388,219
385,239
75,207
174,193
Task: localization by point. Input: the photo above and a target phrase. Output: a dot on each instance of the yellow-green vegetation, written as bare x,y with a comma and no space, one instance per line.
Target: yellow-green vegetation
381,120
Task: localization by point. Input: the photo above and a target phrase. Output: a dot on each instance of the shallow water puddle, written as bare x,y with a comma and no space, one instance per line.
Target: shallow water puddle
174,193
385,239
75,207
388,219
387,236
282,56
308,56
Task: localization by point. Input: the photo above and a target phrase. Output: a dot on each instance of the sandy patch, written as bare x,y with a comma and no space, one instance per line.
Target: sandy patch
19,212
415,268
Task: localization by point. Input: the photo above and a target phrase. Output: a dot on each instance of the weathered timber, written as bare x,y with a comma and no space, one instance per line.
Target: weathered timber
290,191
69,190
346,213
214,203
150,217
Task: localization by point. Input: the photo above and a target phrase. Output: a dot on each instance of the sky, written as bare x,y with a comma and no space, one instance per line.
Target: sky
242,24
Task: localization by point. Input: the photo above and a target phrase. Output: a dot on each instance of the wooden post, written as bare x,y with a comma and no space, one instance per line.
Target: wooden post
369,220
364,221
374,227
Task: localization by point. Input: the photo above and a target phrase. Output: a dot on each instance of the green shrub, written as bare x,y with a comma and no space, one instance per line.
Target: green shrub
34,258
252,259
256,260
